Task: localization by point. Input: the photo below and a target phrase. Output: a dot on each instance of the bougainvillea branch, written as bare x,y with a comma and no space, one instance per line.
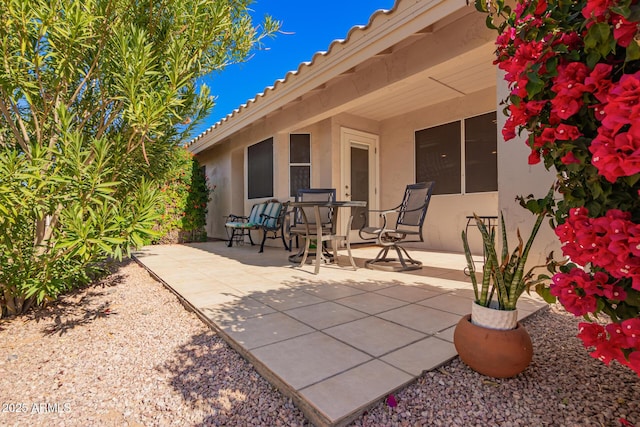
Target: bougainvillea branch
573,73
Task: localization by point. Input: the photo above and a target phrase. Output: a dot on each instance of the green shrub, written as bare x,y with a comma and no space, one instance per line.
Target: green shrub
95,98
185,195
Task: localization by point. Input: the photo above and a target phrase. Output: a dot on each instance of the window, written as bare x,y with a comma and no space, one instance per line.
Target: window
260,169
299,162
439,155
481,159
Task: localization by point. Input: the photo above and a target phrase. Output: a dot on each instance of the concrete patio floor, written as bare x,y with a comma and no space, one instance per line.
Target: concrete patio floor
336,342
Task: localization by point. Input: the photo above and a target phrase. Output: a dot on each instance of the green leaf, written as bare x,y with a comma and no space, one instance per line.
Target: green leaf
481,6
489,23
632,180
535,84
632,52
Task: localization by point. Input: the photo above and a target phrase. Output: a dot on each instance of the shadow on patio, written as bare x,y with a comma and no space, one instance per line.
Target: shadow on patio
336,342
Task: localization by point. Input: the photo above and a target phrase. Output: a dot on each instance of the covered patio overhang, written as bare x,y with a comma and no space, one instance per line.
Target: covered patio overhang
422,57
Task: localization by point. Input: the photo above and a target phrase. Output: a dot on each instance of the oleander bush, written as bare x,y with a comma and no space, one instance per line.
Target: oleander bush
95,96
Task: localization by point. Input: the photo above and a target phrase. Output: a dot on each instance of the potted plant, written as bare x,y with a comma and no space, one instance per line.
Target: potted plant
573,74
490,339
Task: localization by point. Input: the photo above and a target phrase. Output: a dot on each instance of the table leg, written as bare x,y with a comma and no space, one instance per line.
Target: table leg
319,255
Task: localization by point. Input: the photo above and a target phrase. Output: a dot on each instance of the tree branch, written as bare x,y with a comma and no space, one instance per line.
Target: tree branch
12,125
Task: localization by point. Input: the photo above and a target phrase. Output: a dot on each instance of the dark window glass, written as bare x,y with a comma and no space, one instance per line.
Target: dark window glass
299,162
438,157
300,148
359,183
300,178
260,169
481,159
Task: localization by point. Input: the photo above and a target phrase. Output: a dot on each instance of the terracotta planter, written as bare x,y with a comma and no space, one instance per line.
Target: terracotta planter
492,352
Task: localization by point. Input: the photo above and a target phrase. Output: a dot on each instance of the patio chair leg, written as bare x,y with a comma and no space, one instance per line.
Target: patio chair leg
381,257
405,260
250,239
233,233
264,239
400,257
334,248
284,242
353,263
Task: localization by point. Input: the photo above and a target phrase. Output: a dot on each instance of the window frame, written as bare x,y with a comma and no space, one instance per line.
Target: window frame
463,143
304,164
251,196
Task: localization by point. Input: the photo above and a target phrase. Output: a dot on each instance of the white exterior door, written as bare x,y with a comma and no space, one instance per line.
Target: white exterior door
359,176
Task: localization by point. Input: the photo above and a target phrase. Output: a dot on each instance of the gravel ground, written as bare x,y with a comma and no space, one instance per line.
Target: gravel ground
125,352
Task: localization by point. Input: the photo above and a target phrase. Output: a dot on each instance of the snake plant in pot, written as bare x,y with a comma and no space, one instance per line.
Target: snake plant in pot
505,278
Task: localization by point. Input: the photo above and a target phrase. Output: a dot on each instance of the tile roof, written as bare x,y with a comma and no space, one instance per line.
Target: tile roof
291,75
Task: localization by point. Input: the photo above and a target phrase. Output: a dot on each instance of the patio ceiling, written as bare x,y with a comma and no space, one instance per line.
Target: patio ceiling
451,79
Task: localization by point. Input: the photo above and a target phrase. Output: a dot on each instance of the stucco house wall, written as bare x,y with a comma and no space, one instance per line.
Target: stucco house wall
447,213
517,178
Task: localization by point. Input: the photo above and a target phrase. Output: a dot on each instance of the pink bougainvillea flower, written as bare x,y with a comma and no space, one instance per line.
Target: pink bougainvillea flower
616,156
391,401
534,157
599,111
598,82
570,288
541,7
607,352
591,334
570,79
623,31
508,131
564,107
596,8
571,40
625,423
616,335
634,361
569,158
631,329
567,132
623,102
547,136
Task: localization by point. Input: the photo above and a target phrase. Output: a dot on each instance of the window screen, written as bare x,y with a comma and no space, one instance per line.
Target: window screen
260,169
299,162
438,157
481,159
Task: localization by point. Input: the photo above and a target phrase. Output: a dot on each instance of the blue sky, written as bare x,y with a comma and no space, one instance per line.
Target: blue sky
307,27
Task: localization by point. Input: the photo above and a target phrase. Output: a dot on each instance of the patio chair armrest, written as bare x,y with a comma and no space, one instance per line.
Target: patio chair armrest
236,218
374,233
381,211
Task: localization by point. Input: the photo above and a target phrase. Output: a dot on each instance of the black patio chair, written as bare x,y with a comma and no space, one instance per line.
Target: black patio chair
410,215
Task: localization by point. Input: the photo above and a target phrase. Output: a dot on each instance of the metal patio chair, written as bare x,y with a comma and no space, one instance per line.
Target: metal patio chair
410,215
239,226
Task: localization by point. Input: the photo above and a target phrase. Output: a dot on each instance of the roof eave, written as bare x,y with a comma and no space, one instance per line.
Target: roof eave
384,30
